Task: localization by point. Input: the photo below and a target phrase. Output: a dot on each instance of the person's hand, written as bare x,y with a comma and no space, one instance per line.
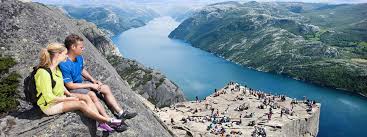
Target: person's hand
96,86
71,99
93,81
96,82
99,82
72,95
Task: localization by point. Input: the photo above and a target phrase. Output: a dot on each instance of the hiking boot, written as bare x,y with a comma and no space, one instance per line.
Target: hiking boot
104,127
121,128
118,124
115,122
127,115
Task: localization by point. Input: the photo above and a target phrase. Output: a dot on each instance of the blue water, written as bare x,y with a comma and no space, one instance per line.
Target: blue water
198,73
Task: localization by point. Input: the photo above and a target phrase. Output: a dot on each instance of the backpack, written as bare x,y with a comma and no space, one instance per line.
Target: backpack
30,90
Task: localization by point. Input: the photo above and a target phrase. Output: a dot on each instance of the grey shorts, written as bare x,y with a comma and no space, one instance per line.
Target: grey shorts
81,90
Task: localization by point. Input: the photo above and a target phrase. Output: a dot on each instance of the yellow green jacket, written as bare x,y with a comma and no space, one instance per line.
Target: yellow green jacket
44,86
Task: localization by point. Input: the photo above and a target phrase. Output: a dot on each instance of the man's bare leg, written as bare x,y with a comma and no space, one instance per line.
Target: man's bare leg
98,104
110,99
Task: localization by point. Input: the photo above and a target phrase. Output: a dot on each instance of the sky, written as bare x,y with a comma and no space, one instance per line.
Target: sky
171,7
189,1
322,1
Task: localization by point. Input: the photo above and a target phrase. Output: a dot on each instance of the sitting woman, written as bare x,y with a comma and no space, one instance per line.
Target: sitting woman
51,92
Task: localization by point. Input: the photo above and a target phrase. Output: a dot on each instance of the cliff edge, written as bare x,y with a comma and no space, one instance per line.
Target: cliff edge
28,27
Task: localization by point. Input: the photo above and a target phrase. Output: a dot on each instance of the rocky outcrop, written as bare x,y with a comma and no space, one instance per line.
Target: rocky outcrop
28,27
98,38
237,103
147,82
303,127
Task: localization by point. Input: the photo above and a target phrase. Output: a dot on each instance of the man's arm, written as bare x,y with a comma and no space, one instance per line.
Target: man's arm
71,85
85,74
89,77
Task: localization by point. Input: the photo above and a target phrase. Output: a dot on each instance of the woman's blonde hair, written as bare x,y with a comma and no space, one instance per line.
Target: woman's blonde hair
46,54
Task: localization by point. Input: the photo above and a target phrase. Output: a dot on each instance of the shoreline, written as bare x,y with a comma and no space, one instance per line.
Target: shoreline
355,93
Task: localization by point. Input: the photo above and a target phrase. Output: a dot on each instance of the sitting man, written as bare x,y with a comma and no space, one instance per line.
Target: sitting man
73,72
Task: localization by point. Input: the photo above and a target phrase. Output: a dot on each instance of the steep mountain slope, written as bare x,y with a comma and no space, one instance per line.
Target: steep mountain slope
113,19
28,27
279,38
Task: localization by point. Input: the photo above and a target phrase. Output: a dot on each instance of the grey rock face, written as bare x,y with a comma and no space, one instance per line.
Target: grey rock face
28,27
307,127
147,82
301,123
98,38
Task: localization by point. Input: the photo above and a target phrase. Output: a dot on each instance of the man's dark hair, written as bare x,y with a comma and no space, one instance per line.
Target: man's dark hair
72,39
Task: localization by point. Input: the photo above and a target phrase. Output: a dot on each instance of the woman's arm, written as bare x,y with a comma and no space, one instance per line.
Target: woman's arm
63,98
67,93
46,88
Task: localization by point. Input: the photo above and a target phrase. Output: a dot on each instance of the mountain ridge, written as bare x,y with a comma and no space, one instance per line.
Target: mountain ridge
28,27
271,38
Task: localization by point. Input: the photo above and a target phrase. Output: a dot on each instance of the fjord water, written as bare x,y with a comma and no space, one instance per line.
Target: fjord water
198,73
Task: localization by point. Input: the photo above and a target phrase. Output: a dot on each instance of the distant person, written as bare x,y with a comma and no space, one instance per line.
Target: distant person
73,72
50,89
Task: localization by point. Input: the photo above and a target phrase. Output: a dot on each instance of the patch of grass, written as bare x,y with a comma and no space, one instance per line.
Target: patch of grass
152,100
5,64
130,73
362,44
8,85
332,75
315,36
159,83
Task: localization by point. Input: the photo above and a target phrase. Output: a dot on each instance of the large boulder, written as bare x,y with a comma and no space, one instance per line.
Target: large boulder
28,27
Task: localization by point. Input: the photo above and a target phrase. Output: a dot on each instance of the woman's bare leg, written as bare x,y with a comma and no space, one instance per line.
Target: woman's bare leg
98,104
110,99
87,100
83,107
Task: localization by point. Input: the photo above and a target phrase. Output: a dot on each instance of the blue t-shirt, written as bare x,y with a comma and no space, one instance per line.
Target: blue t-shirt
72,71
